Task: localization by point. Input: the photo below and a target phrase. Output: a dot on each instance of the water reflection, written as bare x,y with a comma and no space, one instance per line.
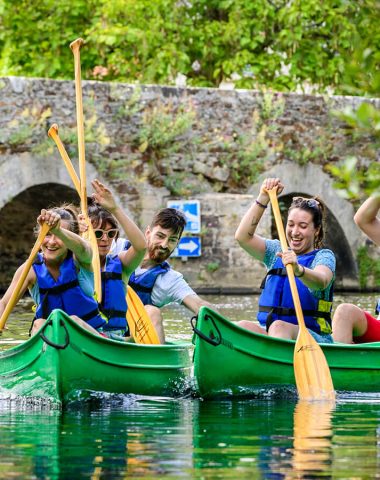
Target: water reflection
127,436
312,451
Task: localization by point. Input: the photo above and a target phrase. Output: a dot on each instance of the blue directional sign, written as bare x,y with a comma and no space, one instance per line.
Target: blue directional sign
188,247
192,210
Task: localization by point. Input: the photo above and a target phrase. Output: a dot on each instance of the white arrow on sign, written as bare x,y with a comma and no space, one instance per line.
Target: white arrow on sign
191,246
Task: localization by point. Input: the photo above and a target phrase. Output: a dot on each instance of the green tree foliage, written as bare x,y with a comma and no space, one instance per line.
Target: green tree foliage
277,43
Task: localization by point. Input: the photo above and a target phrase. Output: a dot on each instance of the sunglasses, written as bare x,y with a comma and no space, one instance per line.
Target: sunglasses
306,202
110,233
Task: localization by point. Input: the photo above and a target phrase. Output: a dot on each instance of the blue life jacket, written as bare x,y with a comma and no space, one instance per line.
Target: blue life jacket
276,299
144,283
65,293
114,305
377,309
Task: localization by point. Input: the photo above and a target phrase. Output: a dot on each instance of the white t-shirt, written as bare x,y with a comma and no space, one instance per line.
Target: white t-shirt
170,287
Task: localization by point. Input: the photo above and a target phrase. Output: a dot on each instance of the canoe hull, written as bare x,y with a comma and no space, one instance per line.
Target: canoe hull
63,358
231,361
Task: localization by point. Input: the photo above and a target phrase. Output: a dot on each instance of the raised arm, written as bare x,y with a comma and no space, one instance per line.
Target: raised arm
79,246
132,257
245,233
367,220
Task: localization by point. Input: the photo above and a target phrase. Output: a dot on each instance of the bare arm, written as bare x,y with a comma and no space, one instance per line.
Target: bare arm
194,303
245,233
132,257
367,220
317,278
29,282
80,247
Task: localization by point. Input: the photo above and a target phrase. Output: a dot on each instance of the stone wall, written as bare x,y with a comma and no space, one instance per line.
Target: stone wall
152,144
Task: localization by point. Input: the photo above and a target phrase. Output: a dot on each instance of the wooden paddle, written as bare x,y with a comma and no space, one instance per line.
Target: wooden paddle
14,297
311,370
53,133
75,47
139,322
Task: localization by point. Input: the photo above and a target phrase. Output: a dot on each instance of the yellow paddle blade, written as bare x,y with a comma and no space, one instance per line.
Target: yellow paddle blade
311,370
140,324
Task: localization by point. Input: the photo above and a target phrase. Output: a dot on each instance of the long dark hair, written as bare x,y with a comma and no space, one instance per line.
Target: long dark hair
317,208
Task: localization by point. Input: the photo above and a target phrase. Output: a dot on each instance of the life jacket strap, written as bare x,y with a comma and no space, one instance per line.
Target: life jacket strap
86,317
111,276
274,271
290,312
113,313
59,288
139,288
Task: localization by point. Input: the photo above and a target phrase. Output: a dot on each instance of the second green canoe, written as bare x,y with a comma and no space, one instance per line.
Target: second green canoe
232,361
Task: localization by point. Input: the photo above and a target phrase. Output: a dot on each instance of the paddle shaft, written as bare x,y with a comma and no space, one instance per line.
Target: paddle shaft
75,47
14,297
53,133
284,245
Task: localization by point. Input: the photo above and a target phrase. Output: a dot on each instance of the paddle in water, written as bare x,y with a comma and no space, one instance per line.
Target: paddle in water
311,371
14,298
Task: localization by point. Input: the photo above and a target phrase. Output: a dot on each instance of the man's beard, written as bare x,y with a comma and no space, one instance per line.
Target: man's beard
158,255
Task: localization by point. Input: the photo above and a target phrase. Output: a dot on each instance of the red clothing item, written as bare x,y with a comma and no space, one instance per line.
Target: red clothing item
372,333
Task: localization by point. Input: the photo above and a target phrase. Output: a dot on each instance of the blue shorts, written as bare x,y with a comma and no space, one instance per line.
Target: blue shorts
118,335
321,337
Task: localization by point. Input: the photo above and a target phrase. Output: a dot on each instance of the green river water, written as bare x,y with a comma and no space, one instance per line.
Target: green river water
125,436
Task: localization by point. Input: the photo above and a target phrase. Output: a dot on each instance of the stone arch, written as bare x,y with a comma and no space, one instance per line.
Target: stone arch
342,235
27,185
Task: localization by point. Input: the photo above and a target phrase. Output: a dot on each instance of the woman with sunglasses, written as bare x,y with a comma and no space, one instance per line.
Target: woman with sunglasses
62,275
314,268
351,324
105,216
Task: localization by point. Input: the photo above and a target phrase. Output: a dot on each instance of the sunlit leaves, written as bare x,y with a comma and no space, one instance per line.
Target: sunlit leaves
280,44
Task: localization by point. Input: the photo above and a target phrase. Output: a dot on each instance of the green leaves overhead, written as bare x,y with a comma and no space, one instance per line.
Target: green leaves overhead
284,45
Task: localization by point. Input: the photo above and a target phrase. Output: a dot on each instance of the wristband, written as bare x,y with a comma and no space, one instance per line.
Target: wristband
260,204
302,274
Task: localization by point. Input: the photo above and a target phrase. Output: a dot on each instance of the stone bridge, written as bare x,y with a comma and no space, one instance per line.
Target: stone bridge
29,183
32,176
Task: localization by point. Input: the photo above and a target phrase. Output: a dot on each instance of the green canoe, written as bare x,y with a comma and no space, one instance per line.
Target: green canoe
230,360
63,358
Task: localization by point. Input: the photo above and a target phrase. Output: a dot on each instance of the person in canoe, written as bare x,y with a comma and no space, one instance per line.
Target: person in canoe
61,275
351,324
156,283
314,267
106,216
